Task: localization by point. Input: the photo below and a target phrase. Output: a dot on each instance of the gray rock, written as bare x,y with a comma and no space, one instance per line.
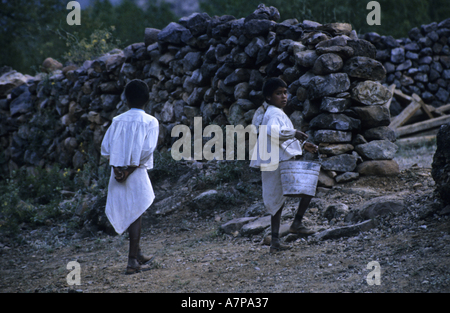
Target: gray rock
398,55
254,47
346,177
361,191
440,169
442,95
332,136
378,168
380,206
236,114
377,150
335,149
380,133
255,27
335,210
205,202
362,48
196,22
404,66
371,93
22,104
255,227
335,105
345,231
321,86
235,225
238,76
364,68
192,61
373,116
246,104
310,109
327,63
174,33
335,122
306,58
340,163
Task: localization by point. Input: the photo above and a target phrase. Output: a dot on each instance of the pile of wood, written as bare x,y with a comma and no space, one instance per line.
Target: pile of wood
417,119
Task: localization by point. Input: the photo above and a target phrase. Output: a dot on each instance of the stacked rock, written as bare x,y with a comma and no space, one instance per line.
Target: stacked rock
418,64
213,67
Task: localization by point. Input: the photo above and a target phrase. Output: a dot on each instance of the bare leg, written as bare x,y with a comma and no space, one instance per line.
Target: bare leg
297,226
134,232
275,244
135,258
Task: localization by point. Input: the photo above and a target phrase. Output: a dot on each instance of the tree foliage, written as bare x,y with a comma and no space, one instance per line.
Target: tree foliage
30,30
397,17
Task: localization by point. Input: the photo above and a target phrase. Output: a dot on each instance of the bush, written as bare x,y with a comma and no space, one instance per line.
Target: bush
99,43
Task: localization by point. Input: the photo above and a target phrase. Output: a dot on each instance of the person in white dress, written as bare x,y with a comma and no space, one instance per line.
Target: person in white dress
275,93
129,144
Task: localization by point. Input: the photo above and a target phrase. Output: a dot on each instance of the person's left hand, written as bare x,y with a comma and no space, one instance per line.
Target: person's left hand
121,175
310,147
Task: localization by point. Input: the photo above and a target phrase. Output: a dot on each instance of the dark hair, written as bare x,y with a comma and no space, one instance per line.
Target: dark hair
137,93
271,85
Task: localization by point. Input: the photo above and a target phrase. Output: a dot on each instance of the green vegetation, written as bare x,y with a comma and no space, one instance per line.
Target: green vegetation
36,195
32,30
397,17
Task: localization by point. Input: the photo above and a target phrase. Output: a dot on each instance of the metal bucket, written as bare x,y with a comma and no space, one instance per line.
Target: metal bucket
299,178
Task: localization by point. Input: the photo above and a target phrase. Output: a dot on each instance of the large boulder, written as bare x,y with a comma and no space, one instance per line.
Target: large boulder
9,81
334,121
364,68
377,150
321,86
441,164
378,168
371,93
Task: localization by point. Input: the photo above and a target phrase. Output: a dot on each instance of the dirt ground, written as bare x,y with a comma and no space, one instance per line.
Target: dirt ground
412,249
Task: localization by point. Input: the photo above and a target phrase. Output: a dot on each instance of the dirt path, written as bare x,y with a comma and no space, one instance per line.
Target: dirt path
191,255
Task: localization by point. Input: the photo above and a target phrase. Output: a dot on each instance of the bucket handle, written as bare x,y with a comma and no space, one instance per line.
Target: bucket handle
302,143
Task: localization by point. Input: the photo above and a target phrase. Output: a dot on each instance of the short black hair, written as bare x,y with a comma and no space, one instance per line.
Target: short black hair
272,84
137,93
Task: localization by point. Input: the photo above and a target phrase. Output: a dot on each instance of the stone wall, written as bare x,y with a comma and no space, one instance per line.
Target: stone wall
418,64
212,67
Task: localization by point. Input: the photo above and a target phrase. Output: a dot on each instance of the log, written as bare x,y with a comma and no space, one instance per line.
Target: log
414,128
391,89
422,105
415,140
406,114
402,96
443,109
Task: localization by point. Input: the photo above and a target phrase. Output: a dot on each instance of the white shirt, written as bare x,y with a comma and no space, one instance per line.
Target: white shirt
130,140
289,147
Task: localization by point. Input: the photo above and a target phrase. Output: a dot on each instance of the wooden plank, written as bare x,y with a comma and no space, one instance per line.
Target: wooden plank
405,115
402,96
415,140
413,128
443,109
391,89
423,105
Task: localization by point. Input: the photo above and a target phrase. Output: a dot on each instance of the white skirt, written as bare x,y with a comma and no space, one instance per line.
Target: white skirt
272,191
127,201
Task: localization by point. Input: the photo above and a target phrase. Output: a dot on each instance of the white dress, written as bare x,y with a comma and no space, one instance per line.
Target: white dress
130,140
288,148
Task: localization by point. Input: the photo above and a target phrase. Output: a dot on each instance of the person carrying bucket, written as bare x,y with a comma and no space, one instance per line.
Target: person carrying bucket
275,93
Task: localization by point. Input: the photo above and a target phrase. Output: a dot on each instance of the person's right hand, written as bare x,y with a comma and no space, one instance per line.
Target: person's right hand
121,175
